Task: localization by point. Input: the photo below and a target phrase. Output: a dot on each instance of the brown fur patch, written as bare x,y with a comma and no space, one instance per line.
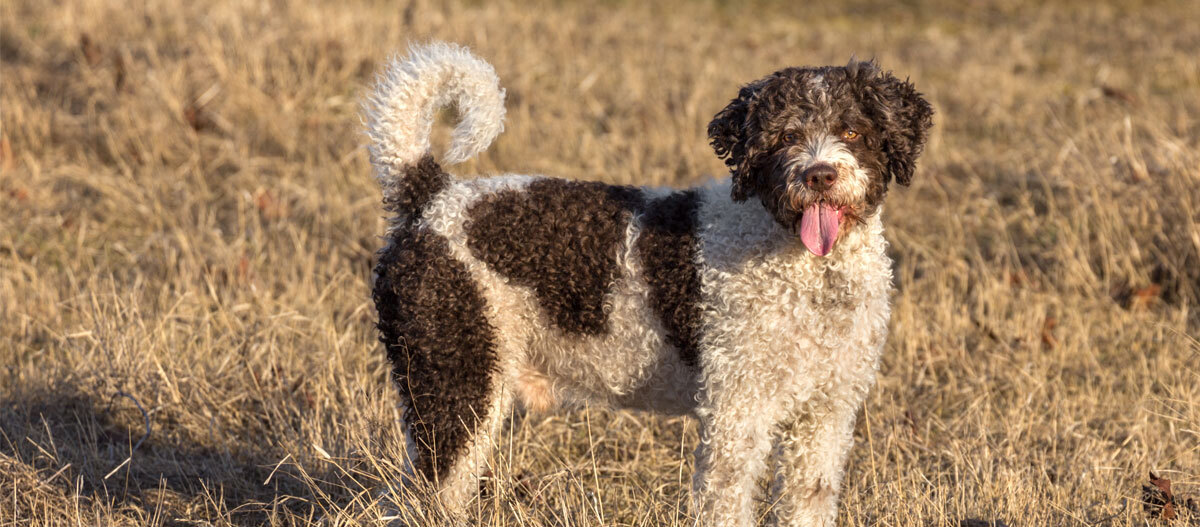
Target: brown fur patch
442,348
414,191
667,248
559,238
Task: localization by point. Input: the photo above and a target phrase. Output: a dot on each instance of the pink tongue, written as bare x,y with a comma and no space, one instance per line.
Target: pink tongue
819,227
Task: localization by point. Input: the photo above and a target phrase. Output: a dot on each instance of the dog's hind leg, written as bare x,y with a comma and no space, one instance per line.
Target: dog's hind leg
444,360
460,483
453,474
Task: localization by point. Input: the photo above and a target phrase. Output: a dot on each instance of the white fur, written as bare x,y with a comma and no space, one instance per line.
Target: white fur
401,107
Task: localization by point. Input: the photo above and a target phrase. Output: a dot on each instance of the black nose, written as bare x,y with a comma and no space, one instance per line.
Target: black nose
819,177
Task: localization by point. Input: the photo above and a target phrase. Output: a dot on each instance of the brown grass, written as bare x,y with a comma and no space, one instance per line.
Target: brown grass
187,223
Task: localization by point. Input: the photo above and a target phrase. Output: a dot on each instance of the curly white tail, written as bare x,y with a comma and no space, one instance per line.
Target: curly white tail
400,109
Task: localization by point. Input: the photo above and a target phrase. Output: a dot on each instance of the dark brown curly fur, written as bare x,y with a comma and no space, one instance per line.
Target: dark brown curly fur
667,250
420,183
559,238
442,348
890,116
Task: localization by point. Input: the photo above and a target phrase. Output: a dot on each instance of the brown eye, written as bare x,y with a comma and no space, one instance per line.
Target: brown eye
789,137
849,135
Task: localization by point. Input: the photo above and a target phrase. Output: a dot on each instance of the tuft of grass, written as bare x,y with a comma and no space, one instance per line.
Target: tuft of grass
188,221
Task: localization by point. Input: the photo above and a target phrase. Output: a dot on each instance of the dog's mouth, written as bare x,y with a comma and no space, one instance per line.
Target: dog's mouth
819,226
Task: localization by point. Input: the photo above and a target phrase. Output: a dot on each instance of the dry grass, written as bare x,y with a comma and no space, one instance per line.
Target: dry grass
187,217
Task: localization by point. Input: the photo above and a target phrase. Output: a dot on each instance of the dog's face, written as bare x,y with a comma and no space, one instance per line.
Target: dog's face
818,146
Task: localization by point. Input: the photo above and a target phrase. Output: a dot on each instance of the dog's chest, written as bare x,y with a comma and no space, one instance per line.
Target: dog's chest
813,302
772,306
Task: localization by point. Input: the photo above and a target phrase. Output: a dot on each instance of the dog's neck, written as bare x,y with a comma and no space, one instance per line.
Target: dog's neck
863,238
738,233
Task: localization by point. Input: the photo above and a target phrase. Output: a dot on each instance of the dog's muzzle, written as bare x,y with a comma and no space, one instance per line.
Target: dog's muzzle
821,219
819,177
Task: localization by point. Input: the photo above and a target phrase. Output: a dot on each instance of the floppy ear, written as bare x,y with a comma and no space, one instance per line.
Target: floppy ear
731,132
905,117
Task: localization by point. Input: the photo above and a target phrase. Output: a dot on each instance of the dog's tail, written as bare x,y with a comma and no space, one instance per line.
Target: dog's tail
400,113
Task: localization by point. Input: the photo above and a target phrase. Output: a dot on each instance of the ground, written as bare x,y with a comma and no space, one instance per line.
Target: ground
188,222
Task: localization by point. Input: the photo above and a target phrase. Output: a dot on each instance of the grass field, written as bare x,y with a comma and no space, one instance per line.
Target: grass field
188,222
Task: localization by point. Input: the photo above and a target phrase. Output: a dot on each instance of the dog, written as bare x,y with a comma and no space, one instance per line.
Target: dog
757,303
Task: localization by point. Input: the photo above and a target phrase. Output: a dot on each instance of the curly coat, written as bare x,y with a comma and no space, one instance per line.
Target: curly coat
540,291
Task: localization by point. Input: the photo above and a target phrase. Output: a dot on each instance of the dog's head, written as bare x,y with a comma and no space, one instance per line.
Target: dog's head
818,146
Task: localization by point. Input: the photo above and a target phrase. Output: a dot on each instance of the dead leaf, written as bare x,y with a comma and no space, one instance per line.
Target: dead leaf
1118,94
198,115
244,273
196,118
270,206
1144,297
1048,340
1017,279
19,194
1157,499
7,161
91,50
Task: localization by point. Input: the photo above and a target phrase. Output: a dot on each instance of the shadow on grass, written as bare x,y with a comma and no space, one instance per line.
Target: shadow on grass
67,444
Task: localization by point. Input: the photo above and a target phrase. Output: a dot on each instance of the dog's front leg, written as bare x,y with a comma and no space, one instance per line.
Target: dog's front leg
735,442
809,461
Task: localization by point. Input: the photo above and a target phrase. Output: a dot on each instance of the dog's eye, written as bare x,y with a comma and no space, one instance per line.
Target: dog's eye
849,135
790,137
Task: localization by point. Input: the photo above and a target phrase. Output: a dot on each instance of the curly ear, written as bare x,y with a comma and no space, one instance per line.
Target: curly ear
906,118
730,132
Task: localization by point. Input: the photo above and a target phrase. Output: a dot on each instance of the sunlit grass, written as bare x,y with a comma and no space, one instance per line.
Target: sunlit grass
188,222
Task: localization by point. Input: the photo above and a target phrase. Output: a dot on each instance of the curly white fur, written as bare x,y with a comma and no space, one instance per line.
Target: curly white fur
792,370
401,108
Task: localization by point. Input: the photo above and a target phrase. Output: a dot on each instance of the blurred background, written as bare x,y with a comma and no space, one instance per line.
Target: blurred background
188,222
